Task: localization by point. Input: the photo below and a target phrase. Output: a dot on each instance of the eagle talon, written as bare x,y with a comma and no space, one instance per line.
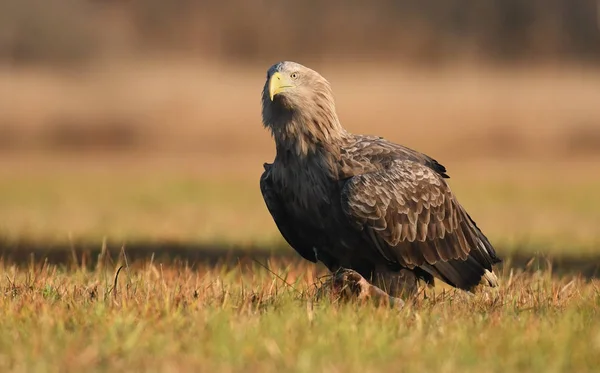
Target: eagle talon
348,284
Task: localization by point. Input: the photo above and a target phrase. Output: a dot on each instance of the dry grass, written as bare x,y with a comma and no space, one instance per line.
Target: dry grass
521,206
190,175
188,318
194,107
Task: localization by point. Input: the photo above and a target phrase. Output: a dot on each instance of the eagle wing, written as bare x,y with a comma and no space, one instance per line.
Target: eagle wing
410,216
289,229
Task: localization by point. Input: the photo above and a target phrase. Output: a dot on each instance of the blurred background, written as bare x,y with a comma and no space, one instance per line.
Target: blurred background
138,121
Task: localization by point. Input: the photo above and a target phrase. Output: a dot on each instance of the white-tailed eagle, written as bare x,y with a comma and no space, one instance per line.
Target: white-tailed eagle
361,202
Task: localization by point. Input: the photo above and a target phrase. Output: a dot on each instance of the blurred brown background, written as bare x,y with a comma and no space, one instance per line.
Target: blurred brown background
114,95
186,75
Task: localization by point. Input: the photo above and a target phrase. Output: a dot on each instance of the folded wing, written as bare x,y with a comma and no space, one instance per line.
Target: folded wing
291,230
409,215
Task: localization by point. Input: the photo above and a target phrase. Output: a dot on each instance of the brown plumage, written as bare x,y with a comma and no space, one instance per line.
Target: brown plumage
362,202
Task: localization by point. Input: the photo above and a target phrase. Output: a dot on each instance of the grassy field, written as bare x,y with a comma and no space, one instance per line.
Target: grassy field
521,206
521,147
167,315
244,318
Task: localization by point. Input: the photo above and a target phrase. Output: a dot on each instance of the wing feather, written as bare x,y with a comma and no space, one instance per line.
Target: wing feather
414,219
291,230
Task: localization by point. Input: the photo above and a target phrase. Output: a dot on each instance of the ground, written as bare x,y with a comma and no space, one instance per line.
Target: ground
207,284
228,312
244,318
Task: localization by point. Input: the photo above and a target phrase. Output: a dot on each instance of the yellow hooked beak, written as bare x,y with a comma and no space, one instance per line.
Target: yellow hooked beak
278,84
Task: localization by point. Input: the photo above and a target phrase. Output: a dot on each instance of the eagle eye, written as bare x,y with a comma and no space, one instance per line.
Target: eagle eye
294,75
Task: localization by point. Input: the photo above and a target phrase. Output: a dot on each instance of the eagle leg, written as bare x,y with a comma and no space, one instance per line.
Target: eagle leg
398,283
352,285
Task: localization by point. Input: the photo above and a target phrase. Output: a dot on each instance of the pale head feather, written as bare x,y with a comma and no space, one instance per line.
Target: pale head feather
302,118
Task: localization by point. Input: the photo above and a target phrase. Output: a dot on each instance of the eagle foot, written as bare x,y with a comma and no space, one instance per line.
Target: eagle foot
348,284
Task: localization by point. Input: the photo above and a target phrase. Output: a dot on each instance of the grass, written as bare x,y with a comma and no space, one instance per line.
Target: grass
192,178
174,317
520,207
463,111
189,318
520,144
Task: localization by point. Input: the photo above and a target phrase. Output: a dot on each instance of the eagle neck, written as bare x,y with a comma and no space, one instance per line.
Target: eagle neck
308,140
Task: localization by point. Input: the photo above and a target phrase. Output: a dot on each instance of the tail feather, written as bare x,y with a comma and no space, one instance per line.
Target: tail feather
462,274
489,279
